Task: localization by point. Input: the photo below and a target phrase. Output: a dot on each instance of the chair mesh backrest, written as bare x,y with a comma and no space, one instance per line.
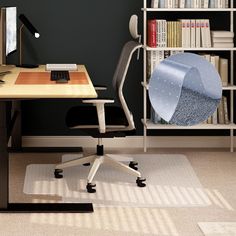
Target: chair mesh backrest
123,64
120,75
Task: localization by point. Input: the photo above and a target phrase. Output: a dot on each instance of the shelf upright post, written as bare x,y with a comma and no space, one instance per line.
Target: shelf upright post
232,79
144,76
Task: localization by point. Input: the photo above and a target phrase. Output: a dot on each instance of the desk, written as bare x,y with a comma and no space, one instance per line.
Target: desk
10,91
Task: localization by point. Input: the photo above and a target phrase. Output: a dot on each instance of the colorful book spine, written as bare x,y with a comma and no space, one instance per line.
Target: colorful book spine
152,39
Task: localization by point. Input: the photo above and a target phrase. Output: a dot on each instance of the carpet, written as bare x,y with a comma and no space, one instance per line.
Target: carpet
218,228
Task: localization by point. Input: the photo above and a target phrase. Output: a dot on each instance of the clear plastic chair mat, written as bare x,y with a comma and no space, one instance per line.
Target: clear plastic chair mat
185,89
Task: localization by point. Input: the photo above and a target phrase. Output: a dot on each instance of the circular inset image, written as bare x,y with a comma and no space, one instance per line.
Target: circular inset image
185,89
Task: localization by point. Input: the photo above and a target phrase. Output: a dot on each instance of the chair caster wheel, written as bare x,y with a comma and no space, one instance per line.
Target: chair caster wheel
133,165
90,188
140,181
58,173
86,164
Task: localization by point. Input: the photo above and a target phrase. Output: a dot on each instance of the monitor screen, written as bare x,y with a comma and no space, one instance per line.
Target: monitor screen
11,29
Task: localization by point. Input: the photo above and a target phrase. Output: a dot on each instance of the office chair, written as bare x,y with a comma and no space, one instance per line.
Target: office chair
105,122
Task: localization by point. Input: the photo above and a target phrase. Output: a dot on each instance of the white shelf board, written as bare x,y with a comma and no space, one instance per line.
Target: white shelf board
189,9
150,125
187,49
230,87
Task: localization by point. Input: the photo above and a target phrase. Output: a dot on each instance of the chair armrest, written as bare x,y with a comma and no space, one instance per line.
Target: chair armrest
98,101
100,87
100,106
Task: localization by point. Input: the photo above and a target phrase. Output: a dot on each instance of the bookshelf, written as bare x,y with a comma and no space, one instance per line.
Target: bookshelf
147,123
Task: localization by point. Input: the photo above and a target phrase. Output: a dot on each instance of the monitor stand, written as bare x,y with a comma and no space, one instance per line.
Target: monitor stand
27,66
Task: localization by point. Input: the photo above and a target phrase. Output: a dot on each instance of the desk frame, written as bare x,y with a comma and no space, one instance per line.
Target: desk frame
14,131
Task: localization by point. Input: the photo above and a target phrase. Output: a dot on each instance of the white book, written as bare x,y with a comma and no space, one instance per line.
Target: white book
206,4
222,33
164,33
170,2
182,3
208,33
154,4
193,33
176,3
188,4
166,3
208,57
198,33
188,34
226,114
213,60
214,118
162,3
212,4
183,30
226,3
220,3
222,40
223,45
224,71
198,3
203,33
158,32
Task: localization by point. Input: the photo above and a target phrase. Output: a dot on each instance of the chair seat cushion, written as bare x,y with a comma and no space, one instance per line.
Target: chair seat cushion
87,115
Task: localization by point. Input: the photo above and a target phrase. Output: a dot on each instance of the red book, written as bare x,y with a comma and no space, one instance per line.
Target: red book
152,33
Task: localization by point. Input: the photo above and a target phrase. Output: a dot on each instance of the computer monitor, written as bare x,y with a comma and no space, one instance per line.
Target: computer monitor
11,30
8,32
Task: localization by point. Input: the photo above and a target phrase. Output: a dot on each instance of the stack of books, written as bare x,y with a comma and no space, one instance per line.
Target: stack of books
221,115
222,39
189,3
155,57
187,33
221,65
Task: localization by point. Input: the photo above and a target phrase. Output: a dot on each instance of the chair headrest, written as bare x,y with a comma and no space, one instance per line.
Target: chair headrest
133,27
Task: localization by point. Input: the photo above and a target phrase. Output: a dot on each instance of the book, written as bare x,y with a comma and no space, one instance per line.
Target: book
154,3
203,33
222,40
205,3
170,3
221,117
158,33
188,4
208,33
223,45
198,33
181,3
222,34
183,35
193,33
152,39
214,117
226,115
176,5
162,3
223,70
188,34
212,3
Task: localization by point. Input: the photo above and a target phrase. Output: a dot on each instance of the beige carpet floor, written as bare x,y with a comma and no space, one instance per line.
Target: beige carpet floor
216,170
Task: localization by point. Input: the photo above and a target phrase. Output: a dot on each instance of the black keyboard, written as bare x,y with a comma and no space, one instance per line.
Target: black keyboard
60,76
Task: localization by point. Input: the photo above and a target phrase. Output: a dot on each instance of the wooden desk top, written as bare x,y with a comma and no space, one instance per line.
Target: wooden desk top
11,90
